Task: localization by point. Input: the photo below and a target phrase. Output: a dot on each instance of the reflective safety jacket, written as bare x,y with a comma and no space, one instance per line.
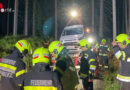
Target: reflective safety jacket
103,50
96,46
88,63
124,67
40,78
66,71
11,68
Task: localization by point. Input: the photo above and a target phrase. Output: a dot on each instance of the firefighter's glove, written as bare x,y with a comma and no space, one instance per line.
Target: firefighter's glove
91,73
90,80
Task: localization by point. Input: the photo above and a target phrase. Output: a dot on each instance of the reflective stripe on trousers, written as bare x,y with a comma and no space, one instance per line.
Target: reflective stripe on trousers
123,78
40,88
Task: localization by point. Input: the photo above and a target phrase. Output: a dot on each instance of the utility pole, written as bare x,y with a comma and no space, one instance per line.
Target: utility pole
92,15
15,17
26,18
114,18
34,14
101,19
55,19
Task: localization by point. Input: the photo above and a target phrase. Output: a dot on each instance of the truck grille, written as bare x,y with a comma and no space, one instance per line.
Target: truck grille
70,44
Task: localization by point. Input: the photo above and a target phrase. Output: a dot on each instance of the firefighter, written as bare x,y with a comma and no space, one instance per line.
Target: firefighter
64,66
12,67
103,50
121,47
95,49
87,66
40,78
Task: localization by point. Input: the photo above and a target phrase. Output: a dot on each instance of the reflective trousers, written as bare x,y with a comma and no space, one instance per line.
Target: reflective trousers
103,60
87,85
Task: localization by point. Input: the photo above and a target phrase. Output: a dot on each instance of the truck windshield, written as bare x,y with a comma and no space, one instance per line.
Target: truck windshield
73,31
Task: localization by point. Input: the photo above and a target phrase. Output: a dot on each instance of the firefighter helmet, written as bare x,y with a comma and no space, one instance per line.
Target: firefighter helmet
123,38
41,55
23,46
104,40
55,47
84,43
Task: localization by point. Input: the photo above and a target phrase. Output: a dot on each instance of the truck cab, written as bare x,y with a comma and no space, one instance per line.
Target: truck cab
70,37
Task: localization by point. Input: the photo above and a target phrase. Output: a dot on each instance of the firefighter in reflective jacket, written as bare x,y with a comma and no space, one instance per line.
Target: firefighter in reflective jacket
121,48
103,50
88,65
41,78
64,66
12,67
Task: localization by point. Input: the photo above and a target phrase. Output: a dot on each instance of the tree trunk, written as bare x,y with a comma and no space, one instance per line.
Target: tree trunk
114,18
34,15
92,15
15,18
8,18
128,31
56,20
101,19
26,18
126,15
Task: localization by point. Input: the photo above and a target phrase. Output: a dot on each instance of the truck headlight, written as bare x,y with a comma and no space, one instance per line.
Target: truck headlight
90,40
